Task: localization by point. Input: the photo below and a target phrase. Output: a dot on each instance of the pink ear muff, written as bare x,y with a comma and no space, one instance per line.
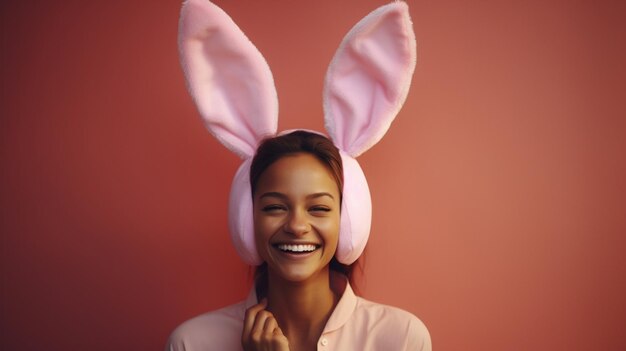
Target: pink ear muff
240,216
356,212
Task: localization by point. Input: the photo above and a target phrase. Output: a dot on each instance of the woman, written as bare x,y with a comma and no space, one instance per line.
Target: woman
299,208
302,298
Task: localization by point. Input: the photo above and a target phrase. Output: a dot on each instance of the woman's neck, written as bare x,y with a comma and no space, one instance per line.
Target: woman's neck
301,308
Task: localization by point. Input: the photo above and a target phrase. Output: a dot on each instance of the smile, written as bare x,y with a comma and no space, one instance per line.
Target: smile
297,249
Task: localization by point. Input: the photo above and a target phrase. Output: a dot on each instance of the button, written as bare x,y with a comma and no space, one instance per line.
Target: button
324,341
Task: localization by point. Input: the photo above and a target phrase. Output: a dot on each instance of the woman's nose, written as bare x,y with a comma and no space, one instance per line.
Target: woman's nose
297,223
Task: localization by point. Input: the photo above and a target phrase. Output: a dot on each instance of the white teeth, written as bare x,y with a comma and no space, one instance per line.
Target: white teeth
297,248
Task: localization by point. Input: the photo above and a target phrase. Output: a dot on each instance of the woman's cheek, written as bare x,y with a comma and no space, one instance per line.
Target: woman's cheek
329,229
266,226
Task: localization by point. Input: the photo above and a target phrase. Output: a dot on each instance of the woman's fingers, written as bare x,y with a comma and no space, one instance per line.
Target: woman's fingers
250,318
261,330
278,332
273,335
279,341
258,333
270,325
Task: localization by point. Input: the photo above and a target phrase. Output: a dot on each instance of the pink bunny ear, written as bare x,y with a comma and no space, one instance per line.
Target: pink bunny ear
227,77
366,85
369,78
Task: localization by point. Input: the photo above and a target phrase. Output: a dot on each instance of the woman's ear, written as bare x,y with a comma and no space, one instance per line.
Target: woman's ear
228,78
369,78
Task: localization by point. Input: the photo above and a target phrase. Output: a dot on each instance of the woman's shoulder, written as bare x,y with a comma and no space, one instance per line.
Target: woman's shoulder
379,310
390,321
216,330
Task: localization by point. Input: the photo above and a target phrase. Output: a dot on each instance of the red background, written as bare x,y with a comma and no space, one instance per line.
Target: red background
499,192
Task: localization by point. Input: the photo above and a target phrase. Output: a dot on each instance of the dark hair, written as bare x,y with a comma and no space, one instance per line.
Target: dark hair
300,141
271,150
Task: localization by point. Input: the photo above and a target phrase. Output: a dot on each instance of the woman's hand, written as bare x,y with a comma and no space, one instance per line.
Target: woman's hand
261,331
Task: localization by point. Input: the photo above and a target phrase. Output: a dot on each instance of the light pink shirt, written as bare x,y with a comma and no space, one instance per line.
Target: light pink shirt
355,324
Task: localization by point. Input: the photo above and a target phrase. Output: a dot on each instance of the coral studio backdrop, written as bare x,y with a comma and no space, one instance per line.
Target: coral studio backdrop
499,191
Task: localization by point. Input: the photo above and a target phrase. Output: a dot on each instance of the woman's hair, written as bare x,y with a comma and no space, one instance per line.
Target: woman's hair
272,149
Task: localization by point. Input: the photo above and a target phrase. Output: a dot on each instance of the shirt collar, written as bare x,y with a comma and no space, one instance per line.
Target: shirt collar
344,309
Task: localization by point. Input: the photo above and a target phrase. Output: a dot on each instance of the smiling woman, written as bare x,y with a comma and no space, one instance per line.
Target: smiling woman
302,297
325,153
296,224
296,217
300,209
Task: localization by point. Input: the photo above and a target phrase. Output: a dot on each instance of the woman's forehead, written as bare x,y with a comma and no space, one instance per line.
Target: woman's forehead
299,175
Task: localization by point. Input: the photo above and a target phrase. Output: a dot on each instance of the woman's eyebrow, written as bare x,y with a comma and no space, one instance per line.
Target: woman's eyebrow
273,194
316,195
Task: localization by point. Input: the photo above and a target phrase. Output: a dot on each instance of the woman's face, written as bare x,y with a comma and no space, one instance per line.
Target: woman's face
296,217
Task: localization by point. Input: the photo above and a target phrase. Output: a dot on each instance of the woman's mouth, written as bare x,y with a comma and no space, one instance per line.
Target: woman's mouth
297,249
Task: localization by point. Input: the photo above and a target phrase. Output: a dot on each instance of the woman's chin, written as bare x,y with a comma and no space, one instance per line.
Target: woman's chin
298,274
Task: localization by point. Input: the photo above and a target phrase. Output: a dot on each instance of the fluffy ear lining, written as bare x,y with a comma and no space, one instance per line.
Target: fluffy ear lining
369,78
227,77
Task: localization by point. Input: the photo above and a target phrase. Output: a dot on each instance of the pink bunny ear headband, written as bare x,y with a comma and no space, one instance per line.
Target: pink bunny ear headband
233,88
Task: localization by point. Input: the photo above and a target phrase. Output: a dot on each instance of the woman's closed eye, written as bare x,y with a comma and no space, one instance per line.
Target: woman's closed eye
274,208
320,209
